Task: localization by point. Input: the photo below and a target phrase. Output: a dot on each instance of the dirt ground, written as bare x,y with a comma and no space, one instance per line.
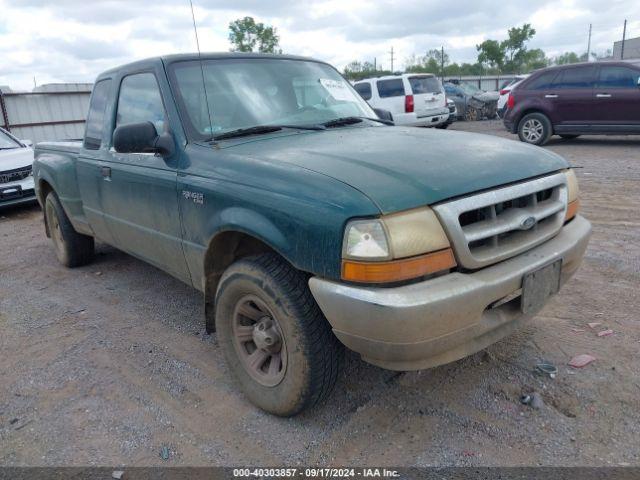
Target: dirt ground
109,363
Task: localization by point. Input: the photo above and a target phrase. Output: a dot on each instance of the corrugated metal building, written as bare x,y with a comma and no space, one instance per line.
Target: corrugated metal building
49,112
631,49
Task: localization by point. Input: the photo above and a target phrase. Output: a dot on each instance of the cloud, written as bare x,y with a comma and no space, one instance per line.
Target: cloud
74,40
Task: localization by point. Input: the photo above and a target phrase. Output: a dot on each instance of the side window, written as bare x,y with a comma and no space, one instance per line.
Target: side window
95,119
140,101
618,77
577,77
543,81
364,89
391,88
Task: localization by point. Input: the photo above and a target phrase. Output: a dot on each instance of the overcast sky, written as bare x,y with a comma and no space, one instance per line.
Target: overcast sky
74,40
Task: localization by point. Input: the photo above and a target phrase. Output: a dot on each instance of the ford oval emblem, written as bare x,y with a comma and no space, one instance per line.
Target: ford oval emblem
528,223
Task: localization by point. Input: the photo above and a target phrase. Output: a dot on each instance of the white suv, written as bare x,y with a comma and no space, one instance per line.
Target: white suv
416,99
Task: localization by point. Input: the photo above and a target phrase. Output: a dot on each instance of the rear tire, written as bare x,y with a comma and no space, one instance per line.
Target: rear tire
566,136
534,128
72,248
275,339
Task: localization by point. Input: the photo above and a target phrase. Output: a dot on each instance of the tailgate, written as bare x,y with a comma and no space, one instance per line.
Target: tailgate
428,95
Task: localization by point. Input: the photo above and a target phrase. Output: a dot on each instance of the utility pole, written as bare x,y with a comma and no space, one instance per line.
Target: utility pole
624,36
589,45
391,53
375,66
442,64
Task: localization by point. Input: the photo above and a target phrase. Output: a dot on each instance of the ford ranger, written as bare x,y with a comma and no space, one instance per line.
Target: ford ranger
307,221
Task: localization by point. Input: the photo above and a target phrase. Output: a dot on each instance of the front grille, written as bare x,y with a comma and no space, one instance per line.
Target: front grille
15,175
495,225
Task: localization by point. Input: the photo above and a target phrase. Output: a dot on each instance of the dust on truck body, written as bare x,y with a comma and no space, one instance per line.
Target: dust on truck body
309,223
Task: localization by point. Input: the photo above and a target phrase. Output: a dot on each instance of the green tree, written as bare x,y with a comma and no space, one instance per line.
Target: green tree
566,58
246,35
510,55
491,52
514,46
534,59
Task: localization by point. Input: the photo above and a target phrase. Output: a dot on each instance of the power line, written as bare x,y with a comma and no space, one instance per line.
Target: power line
624,36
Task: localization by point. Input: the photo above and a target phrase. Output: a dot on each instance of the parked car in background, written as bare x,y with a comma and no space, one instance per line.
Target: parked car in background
414,99
453,114
471,102
570,100
16,178
504,93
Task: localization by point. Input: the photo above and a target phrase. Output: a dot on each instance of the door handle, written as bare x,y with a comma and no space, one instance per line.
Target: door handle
105,172
551,95
603,95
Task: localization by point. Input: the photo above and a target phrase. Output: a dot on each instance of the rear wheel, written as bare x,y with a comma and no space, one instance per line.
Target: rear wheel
275,339
472,114
534,128
568,137
72,248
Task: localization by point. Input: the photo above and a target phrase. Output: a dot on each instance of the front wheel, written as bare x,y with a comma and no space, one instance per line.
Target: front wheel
72,248
534,128
275,339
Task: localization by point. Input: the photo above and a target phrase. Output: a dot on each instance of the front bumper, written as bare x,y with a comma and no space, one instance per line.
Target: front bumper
440,320
16,193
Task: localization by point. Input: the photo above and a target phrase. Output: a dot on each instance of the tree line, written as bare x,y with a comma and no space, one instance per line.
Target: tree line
509,56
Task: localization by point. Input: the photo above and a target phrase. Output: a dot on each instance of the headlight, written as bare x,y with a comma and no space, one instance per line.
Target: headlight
573,195
395,247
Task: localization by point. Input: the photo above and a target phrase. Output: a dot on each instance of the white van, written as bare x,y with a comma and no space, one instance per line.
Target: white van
416,99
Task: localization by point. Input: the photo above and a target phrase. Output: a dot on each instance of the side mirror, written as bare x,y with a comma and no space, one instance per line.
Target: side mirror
28,143
383,114
142,138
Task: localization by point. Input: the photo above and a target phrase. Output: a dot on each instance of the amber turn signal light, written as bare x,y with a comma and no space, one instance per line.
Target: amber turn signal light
572,210
398,270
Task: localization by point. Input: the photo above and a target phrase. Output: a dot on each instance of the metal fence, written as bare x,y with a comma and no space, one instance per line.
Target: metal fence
488,83
50,112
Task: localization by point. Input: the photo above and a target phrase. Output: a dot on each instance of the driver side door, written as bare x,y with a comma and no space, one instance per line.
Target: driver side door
139,190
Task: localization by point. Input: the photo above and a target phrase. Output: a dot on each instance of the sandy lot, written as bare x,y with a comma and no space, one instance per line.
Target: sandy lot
108,364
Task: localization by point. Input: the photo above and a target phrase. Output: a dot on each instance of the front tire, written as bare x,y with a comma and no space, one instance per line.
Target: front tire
72,248
275,339
534,128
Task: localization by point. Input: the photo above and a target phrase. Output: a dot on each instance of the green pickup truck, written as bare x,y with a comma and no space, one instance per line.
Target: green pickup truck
307,221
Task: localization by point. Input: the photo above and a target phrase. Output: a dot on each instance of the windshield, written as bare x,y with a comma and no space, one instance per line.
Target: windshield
425,85
470,89
7,142
246,92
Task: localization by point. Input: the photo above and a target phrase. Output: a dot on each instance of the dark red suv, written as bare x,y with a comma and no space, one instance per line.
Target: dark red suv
572,100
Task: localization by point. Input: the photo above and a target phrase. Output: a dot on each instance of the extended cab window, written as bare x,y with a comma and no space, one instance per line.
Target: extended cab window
391,88
364,89
618,77
577,77
140,101
95,119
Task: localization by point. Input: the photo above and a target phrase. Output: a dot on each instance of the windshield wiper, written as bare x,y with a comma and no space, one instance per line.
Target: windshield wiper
352,120
258,129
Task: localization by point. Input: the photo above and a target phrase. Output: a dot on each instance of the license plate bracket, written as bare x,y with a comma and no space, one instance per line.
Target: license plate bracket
539,285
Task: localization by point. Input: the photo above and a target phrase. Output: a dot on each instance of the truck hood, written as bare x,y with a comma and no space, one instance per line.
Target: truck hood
15,158
400,168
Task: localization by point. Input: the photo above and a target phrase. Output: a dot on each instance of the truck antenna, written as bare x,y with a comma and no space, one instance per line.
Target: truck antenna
204,85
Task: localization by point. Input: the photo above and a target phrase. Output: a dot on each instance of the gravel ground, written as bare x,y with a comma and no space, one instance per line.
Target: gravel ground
109,363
